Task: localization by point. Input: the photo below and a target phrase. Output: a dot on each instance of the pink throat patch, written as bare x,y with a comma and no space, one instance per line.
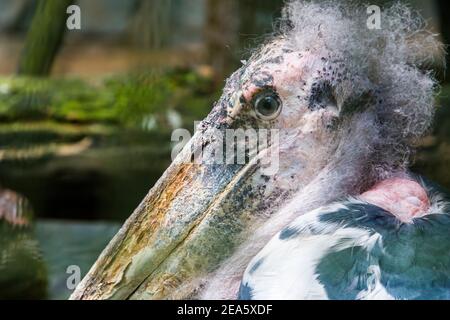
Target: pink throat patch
405,199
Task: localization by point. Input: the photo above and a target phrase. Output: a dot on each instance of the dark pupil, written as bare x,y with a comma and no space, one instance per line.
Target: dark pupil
267,105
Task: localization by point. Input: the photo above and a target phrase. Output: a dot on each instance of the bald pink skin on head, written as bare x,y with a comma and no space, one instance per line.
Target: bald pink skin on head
405,199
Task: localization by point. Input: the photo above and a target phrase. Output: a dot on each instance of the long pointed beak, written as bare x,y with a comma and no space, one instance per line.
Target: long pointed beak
190,221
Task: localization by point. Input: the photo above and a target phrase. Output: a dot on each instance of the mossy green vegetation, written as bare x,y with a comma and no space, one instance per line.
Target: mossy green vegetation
124,100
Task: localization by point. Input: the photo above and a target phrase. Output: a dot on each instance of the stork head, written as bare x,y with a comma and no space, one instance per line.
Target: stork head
339,106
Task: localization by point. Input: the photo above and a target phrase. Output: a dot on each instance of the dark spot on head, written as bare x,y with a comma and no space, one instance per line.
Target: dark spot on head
264,80
321,96
276,60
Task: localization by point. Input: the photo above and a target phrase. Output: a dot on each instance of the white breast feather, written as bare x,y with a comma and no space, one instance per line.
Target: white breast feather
287,267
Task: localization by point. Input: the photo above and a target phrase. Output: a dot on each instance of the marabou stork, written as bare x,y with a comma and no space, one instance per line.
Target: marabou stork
342,217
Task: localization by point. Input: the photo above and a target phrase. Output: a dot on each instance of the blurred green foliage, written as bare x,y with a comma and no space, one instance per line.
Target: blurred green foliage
123,100
23,272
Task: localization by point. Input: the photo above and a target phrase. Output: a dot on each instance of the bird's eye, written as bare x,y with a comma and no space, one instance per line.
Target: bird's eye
267,105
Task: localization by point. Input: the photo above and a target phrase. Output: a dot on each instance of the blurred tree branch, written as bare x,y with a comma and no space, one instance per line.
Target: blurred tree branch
221,34
44,37
150,25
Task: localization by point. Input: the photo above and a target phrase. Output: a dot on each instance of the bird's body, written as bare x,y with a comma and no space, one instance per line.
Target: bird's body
353,249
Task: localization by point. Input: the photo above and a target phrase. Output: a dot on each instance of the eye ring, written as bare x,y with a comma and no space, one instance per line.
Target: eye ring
267,105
